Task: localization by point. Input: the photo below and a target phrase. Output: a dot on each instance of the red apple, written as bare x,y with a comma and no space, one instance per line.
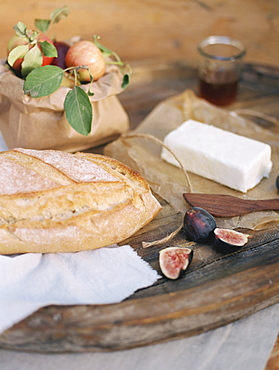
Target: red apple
18,40
86,53
62,49
46,60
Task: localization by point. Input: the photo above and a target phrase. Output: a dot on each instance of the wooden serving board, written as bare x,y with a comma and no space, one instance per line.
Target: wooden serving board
217,288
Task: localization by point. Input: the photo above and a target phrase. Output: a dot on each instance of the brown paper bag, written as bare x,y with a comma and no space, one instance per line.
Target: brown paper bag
40,123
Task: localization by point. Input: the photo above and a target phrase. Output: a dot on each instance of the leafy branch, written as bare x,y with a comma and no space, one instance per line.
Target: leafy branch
126,70
56,16
34,48
45,80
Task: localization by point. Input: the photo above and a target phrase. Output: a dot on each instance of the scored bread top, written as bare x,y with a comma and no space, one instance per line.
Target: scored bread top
42,170
77,201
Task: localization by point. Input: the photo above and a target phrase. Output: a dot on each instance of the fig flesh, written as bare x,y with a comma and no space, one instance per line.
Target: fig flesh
174,261
199,225
230,238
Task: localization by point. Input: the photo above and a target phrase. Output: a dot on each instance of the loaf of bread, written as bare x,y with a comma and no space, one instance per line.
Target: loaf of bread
54,202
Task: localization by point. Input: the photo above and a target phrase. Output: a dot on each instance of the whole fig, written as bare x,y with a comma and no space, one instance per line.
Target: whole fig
174,261
277,182
199,225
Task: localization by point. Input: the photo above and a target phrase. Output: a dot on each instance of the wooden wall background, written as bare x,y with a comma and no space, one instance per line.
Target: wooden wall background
156,29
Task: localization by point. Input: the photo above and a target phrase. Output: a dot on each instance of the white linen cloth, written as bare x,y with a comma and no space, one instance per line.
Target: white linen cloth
34,280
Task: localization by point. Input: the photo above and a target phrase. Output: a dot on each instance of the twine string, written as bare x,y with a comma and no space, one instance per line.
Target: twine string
163,240
158,141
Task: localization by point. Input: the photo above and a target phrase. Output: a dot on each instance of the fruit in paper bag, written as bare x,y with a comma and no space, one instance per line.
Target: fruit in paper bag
62,49
27,44
86,53
30,53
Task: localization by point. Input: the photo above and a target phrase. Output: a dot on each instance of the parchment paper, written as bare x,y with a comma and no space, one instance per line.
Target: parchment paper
170,182
40,123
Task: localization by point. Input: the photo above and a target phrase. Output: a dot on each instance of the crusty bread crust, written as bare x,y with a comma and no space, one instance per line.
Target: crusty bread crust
53,201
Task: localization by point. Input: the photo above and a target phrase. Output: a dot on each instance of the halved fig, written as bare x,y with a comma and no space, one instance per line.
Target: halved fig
174,261
231,238
199,225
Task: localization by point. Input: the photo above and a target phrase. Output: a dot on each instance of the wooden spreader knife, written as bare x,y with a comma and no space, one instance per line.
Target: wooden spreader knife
222,205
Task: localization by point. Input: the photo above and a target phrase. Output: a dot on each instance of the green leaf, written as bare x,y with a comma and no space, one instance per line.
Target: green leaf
20,29
42,24
43,81
78,110
103,49
32,36
125,81
17,53
33,59
48,49
59,14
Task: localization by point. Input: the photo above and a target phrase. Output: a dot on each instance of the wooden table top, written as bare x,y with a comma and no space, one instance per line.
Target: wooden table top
167,303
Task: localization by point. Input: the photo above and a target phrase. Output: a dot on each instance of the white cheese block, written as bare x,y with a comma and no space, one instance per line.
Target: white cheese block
227,158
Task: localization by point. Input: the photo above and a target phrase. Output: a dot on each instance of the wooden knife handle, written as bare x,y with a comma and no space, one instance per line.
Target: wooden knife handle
223,205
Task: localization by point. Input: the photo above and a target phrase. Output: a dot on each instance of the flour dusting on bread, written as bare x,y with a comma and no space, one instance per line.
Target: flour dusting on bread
53,201
77,168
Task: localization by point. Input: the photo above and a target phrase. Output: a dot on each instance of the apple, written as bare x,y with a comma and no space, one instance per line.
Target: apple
69,81
86,53
62,49
16,41
21,40
42,38
13,43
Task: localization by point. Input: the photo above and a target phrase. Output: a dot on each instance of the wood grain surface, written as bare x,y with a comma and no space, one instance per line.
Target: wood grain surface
273,362
166,29
223,205
217,288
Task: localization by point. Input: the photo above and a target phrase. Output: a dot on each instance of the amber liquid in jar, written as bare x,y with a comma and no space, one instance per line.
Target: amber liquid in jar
221,90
